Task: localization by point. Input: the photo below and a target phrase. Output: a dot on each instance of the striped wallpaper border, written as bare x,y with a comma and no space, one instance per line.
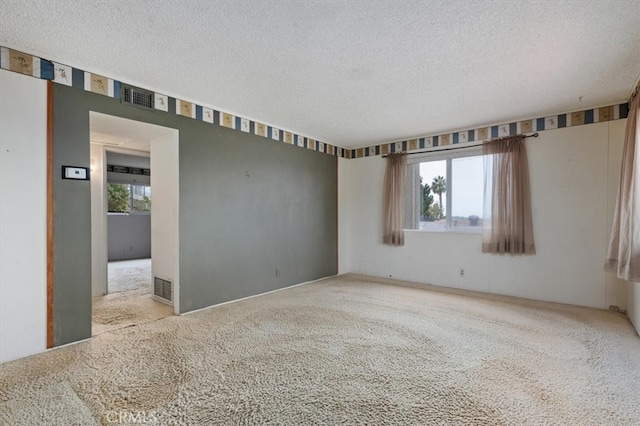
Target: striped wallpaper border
24,63
462,137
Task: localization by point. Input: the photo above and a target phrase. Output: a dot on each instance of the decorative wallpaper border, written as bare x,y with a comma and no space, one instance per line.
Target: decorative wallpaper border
577,118
24,63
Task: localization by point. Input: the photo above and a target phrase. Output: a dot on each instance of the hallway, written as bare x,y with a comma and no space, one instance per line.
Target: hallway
129,301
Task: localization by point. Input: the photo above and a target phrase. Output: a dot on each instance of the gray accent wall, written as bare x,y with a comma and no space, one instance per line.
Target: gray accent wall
71,222
250,208
129,236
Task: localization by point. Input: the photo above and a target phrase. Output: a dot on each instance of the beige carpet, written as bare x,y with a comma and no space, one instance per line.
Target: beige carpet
129,301
343,350
126,309
127,275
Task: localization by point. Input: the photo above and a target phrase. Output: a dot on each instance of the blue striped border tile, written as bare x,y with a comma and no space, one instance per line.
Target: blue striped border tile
116,89
562,121
46,70
77,78
624,110
588,116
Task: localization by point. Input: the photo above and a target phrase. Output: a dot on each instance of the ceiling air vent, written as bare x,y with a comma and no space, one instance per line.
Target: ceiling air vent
136,96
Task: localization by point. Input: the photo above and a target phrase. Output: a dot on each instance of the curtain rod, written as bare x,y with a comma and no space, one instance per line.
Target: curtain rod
535,135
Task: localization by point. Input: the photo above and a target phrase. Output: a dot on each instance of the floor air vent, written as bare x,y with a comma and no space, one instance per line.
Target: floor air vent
162,289
136,96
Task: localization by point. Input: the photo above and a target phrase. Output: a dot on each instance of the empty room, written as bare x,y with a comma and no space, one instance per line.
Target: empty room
319,212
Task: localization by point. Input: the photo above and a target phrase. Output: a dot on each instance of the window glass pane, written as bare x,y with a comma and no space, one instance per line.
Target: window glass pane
466,193
433,195
140,198
118,198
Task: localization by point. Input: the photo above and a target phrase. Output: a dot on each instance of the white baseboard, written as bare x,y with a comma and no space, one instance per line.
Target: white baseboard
257,295
46,350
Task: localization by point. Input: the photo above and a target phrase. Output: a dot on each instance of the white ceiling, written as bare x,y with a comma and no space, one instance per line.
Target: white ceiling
351,73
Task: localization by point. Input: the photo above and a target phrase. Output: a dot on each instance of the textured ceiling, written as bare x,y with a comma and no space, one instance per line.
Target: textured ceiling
350,73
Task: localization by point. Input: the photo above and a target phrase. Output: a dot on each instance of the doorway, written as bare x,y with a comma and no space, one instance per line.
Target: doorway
131,248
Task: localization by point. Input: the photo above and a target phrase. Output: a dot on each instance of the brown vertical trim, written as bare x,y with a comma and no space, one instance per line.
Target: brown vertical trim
49,214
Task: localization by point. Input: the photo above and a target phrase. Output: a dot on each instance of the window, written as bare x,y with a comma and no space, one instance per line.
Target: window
433,188
445,192
125,198
140,198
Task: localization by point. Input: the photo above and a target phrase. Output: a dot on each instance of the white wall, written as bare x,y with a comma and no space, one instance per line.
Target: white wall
23,220
573,179
165,259
98,220
344,205
633,304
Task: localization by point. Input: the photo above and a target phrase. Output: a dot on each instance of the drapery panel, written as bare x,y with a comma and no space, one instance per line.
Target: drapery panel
393,199
623,255
507,225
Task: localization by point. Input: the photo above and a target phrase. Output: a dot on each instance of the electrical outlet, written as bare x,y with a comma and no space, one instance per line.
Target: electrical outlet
461,272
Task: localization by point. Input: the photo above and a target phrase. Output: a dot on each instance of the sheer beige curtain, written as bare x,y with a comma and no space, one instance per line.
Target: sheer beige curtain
507,223
623,256
393,198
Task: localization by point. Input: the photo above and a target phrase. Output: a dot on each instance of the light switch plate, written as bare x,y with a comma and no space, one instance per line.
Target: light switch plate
75,173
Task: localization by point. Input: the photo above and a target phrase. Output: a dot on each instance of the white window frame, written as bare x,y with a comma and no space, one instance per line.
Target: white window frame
447,153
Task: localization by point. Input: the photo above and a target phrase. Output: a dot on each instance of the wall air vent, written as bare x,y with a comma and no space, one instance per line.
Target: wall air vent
136,96
163,289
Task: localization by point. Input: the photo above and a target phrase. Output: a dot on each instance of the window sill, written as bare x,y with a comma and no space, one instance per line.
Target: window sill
446,231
